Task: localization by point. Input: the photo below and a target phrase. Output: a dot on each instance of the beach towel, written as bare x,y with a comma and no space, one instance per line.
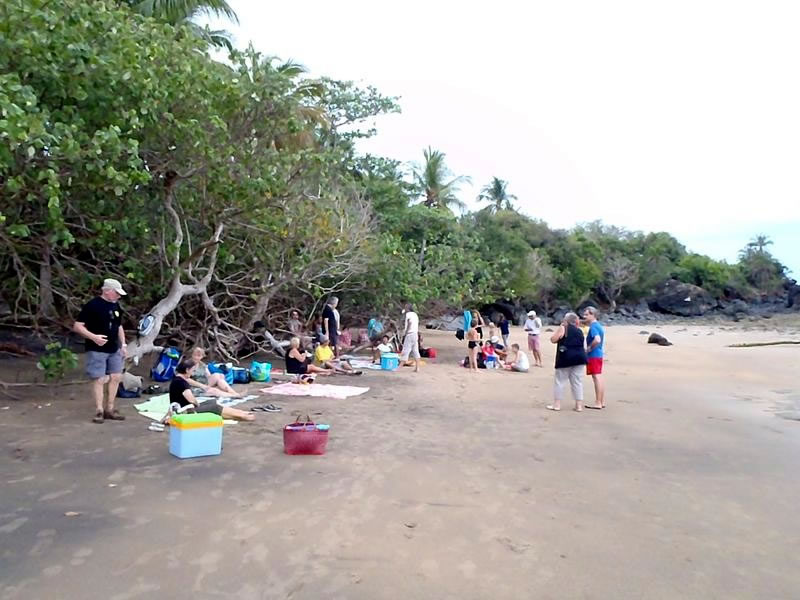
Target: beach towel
157,406
467,320
361,363
322,390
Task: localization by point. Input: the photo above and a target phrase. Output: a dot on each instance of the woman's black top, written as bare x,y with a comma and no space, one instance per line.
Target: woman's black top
294,366
570,351
177,386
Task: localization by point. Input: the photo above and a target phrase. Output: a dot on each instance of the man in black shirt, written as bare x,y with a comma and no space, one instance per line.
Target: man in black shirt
100,323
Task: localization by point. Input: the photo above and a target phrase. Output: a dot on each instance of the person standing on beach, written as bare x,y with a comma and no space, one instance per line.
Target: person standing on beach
595,344
473,347
570,361
504,330
533,327
410,338
330,323
100,324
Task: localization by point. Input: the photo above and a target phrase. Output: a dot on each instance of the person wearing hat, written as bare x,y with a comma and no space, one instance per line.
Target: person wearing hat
100,324
533,327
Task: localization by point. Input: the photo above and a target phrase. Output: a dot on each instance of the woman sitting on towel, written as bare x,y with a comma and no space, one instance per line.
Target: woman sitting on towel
297,362
205,382
180,392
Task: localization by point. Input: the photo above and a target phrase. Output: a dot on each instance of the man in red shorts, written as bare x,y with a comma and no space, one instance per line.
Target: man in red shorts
595,342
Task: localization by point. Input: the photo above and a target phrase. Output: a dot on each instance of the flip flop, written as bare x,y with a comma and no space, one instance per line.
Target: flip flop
551,407
593,407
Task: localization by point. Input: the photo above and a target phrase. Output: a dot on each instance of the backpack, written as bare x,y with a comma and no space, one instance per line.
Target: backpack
164,367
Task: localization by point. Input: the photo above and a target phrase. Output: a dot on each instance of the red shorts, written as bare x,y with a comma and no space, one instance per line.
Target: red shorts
594,366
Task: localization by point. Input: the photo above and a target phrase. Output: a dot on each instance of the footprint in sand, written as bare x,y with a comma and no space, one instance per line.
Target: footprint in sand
52,571
80,556
172,496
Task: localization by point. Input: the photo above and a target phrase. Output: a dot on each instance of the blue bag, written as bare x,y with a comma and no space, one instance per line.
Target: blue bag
260,371
164,368
241,375
221,368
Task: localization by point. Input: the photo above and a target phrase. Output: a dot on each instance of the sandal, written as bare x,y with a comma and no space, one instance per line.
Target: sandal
98,417
551,407
113,415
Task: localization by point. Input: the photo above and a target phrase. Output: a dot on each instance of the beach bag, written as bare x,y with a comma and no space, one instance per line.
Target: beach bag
241,375
431,353
164,367
224,369
260,371
305,437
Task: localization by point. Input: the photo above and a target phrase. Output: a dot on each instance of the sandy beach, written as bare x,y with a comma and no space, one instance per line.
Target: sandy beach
441,484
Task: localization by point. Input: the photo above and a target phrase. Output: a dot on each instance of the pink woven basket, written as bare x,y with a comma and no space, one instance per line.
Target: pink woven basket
303,437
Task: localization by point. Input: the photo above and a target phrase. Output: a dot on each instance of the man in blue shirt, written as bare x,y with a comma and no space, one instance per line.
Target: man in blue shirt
595,343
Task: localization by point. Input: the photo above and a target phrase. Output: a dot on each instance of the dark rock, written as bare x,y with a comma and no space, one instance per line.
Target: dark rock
684,299
736,307
658,339
643,332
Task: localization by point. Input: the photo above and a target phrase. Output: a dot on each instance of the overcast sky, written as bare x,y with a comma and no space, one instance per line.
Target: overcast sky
680,116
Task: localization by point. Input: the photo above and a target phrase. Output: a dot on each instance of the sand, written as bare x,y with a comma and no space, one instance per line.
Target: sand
441,484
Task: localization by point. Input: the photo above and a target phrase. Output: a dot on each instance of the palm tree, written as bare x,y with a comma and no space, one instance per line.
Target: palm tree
759,243
432,180
496,193
183,12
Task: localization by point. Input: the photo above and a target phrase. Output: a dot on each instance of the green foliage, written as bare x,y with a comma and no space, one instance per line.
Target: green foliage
126,151
57,361
702,271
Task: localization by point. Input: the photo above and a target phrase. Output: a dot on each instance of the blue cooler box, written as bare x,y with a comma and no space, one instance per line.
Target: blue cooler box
195,435
390,361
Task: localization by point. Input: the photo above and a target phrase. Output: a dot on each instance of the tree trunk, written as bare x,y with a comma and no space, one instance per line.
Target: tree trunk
46,302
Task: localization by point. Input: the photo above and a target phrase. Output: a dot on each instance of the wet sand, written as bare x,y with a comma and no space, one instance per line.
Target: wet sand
441,484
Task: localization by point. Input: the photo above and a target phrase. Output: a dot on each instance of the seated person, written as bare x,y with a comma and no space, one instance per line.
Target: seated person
206,382
489,355
296,328
323,357
345,341
297,362
499,348
382,348
492,330
180,392
517,360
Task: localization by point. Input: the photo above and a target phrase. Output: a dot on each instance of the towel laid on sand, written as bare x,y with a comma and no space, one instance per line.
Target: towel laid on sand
361,363
323,390
157,406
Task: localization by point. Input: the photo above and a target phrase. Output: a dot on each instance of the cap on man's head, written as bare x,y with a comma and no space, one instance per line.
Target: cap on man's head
495,339
113,284
531,313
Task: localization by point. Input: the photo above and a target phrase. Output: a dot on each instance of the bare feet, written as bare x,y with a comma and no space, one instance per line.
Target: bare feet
249,417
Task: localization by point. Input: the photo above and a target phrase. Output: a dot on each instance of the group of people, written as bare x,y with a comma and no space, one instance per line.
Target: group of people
578,348
100,324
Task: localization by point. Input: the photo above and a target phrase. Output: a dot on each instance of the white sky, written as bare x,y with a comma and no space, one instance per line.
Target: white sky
681,116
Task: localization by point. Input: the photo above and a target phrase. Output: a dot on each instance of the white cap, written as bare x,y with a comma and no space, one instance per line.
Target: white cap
495,339
113,284
531,313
